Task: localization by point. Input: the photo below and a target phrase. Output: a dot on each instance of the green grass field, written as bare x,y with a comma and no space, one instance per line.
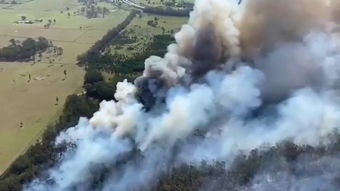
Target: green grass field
33,103
141,33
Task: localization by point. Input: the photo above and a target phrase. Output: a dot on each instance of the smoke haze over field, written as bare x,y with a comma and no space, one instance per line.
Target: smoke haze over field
240,77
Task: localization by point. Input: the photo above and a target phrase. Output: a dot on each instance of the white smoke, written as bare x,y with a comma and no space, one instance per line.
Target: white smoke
309,174
93,147
221,82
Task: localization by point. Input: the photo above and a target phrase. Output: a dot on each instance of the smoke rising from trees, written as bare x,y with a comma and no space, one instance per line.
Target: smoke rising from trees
239,78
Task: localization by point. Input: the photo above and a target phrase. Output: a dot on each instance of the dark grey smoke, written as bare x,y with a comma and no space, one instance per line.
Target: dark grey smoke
266,23
207,53
288,67
151,91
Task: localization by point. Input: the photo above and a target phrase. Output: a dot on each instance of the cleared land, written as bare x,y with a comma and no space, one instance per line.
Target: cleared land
139,33
27,107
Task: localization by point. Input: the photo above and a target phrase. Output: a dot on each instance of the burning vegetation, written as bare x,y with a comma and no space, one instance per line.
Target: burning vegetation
246,99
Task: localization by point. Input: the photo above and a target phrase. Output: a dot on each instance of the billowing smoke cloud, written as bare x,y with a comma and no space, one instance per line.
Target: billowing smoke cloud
268,22
240,77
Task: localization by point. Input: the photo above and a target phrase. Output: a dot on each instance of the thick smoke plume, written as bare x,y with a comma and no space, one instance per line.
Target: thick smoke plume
269,22
239,78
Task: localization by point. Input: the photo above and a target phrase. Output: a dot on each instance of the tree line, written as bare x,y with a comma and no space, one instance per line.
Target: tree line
214,176
168,11
96,50
98,88
123,64
91,11
25,50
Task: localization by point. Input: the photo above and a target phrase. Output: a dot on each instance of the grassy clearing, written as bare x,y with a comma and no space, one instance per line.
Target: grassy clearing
33,103
138,35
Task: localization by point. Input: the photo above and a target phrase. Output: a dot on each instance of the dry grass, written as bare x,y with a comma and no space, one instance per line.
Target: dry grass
32,103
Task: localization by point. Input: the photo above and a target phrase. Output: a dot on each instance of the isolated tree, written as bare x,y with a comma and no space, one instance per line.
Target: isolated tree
40,55
60,51
42,43
105,11
65,74
23,18
13,42
99,10
91,12
29,44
